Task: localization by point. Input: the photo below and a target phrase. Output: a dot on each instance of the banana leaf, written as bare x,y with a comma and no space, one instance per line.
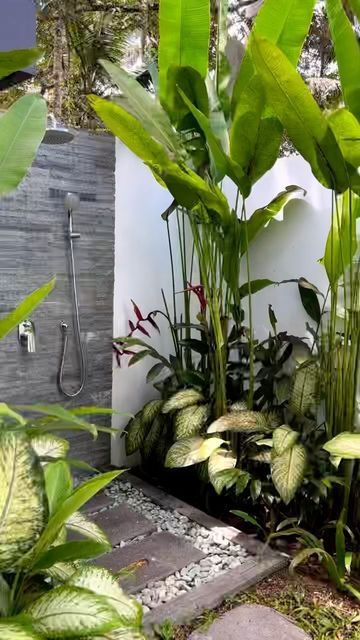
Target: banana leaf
297,110
347,50
184,27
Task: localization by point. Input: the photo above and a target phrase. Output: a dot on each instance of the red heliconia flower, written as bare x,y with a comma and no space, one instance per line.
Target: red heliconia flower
137,311
139,327
199,292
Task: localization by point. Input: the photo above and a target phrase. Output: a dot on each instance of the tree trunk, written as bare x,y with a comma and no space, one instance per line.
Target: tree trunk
58,70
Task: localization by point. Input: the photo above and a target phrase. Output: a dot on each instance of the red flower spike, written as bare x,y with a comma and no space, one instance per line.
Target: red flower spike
132,326
199,292
137,311
143,330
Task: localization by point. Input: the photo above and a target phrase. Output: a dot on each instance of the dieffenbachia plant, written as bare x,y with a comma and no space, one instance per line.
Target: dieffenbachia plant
46,589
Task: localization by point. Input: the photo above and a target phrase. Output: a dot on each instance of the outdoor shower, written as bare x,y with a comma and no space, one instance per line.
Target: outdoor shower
72,203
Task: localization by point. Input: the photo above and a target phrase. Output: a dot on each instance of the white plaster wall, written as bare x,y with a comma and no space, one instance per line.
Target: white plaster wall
287,249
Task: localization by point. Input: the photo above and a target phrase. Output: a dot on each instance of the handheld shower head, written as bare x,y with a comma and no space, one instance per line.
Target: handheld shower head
71,202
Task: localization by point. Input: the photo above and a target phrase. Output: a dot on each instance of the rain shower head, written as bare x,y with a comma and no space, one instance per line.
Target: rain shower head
71,202
56,132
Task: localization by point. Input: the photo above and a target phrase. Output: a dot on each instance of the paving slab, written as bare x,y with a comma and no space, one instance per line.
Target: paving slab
211,594
100,501
163,554
251,622
122,523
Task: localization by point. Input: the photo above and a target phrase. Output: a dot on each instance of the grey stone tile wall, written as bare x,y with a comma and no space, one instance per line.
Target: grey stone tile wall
33,247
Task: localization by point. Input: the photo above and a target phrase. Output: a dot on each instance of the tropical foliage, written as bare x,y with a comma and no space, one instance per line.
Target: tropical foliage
270,423
47,591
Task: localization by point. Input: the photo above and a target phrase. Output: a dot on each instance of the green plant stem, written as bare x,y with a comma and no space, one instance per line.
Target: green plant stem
251,327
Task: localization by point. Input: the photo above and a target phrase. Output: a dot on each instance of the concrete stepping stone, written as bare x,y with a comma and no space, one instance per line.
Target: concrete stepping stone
122,523
252,622
100,501
164,554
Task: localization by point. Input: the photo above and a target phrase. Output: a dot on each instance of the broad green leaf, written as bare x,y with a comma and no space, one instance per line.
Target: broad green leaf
80,524
305,392
129,130
255,286
154,372
248,518
22,128
25,308
137,357
284,438
64,416
184,27
58,483
16,60
153,437
182,399
62,571
255,489
135,434
71,612
287,471
23,507
347,50
346,129
256,134
223,163
144,106
261,217
190,421
219,461
296,108
150,411
309,298
241,421
188,81
73,503
255,137
7,413
345,445
94,410
71,552
185,185
189,451
355,6
283,22
104,583
341,243
49,446
13,630
230,478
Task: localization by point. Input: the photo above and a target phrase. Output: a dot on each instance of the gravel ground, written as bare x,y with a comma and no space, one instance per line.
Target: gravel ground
221,553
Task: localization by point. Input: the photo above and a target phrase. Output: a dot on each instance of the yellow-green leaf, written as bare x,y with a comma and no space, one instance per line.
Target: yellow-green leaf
284,438
182,399
287,471
189,451
302,118
25,308
104,583
23,507
190,420
184,39
22,128
66,612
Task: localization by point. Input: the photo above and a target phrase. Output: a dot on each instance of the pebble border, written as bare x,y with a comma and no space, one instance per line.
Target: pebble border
222,554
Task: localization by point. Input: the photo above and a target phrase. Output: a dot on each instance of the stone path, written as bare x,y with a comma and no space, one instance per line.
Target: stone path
251,622
178,549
